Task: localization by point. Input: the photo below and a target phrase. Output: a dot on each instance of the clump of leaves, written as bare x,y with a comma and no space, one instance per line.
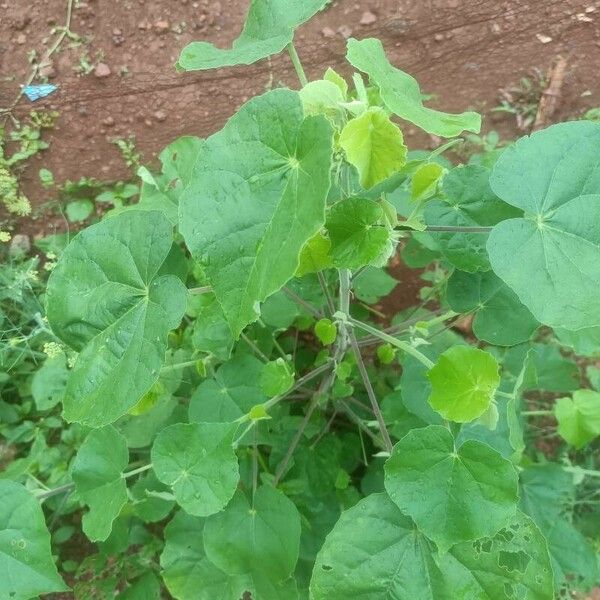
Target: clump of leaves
230,387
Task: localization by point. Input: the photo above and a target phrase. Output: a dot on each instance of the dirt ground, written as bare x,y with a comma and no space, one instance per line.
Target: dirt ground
462,51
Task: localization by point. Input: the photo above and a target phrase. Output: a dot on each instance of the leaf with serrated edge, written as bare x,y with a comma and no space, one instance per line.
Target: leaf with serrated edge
268,29
97,472
453,494
26,566
107,299
198,461
401,93
257,197
551,257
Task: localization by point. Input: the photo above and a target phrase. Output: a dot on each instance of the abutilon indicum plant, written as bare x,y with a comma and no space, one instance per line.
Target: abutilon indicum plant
237,385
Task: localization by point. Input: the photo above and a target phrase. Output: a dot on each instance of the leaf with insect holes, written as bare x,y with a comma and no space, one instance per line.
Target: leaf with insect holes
500,318
463,383
374,145
551,256
26,565
453,494
579,417
268,29
111,298
97,472
401,93
468,201
374,552
357,233
257,196
198,461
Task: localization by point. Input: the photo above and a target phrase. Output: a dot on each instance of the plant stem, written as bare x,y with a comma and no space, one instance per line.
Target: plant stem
178,366
537,413
458,229
297,64
255,348
505,395
371,393
137,471
402,345
328,298
205,289
580,471
301,302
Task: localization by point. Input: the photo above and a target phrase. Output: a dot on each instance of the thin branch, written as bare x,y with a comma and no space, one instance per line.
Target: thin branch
325,288
451,229
297,64
303,303
255,348
205,289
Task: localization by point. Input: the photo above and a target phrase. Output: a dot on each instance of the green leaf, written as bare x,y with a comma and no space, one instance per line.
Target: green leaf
579,418
585,342
211,332
375,553
547,495
276,378
233,391
463,383
187,572
258,539
323,98
401,93
357,233
315,255
146,587
453,494
374,145
326,331
372,284
257,196
108,299
49,382
500,318
162,192
26,565
268,29
551,257
425,180
335,77
468,202
97,472
79,210
198,461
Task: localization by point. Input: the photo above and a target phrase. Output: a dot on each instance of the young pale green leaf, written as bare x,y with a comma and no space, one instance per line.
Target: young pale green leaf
315,256
108,298
187,572
424,181
276,378
500,318
268,29
257,196
326,331
79,210
372,284
551,257
259,539
358,236
401,93
26,566
162,192
463,383
579,417
452,494
334,77
97,472
468,202
233,391
375,553
374,145
198,461
323,97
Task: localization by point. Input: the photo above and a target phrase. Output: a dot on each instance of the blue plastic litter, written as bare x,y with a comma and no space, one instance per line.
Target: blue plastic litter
36,92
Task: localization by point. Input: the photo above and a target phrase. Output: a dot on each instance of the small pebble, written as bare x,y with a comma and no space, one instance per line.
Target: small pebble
102,70
368,18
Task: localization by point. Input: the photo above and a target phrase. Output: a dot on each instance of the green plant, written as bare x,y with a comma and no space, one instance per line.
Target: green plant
226,380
